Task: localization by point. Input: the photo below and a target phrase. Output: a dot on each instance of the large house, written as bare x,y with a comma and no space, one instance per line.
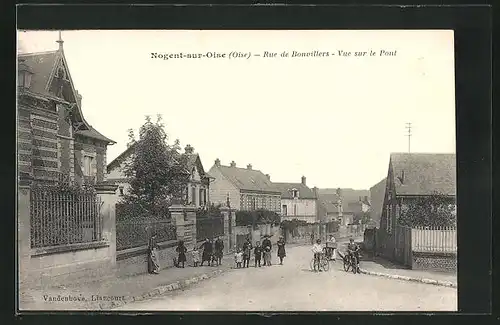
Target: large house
54,139
298,201
411,176
246,188
197,190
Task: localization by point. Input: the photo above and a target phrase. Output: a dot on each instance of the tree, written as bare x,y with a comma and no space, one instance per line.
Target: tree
361,218
156,171
436,210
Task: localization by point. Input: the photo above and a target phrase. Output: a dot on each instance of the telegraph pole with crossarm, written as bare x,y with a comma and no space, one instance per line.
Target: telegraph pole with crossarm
408,126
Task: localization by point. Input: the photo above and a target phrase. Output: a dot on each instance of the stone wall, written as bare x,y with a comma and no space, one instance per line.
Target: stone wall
434,261
134,261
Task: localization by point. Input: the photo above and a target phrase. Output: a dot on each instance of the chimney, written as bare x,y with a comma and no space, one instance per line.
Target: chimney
233,164
304,180
217,162
315,191
249,166
268,176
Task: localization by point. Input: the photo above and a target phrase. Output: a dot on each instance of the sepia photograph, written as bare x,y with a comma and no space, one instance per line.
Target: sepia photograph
236,170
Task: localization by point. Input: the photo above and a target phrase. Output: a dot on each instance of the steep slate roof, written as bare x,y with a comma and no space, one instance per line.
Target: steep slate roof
43,65
94,134
194,160
424,173
377,194
248,179
285,189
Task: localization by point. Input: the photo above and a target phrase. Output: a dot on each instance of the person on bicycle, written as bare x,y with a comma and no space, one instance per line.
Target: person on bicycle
317,249
331,246
353,250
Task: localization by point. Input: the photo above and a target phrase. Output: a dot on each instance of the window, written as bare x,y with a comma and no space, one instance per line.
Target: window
295,193
253,202
285,210
121,190
88,162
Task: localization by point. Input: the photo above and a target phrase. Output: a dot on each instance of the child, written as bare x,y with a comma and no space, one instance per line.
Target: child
238,258
257,253
196,256
267,256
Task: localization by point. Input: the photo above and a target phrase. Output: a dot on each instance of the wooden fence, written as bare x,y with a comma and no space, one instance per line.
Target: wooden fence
434,239
59,219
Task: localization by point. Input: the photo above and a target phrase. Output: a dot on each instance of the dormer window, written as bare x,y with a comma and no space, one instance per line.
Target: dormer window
193,172
295,193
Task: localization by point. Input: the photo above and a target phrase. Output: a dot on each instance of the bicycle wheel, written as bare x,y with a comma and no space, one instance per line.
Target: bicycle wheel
354,266
347,265
325,265
311,265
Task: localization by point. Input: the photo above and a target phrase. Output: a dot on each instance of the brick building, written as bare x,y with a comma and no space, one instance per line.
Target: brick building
247,189
54,139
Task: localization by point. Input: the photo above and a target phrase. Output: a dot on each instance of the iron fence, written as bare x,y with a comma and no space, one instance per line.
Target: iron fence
136,233
209,227
59,219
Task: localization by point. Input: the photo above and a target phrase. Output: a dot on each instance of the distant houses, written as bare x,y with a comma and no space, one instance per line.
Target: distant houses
343,204
247,189
298,201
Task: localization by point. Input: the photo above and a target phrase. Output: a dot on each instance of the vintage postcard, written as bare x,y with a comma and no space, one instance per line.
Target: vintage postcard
231,170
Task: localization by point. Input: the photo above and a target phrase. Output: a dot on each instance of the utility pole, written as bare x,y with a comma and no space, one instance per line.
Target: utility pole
408,126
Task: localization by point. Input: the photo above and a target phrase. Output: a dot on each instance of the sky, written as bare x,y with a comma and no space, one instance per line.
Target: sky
332,119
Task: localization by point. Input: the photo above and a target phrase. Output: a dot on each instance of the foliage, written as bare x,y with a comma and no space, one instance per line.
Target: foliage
291,225
436,210
253,218
156,171
361,218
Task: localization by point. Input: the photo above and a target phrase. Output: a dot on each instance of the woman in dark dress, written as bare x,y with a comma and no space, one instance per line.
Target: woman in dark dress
207,252
153,258
219,250
281,249
181,250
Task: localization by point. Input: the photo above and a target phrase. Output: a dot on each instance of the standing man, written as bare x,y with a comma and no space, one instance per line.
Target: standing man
207,252
247,250
219,250
332,247
267,247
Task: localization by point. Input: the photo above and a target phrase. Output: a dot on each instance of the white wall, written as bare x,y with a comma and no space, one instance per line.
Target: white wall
305,209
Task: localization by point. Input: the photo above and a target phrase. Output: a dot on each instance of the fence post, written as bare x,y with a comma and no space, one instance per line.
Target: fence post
24,227
229,223
108,198
177,214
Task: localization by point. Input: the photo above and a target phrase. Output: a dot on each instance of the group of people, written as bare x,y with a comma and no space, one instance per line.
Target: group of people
330,251
261,252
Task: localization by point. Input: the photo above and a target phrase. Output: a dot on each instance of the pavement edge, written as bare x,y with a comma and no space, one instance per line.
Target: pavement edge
160,290
408,278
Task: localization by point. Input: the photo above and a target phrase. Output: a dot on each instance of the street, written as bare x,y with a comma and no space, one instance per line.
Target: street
294,287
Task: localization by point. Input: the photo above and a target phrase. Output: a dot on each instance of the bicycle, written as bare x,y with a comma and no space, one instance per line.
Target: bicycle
324,264
350,263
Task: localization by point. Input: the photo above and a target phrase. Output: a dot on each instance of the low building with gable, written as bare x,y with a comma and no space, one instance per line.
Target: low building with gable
247,189
298,201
